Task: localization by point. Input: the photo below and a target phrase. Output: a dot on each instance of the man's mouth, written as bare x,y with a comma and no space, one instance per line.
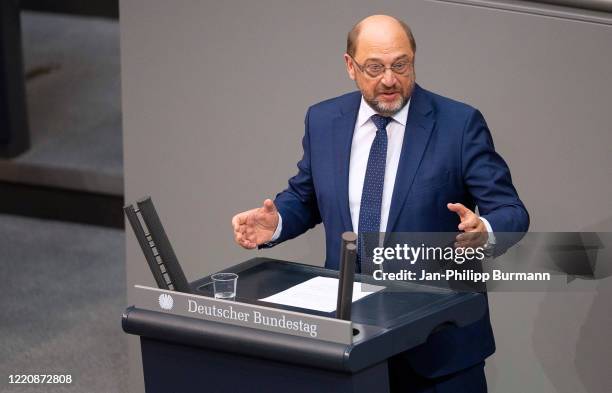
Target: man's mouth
389,95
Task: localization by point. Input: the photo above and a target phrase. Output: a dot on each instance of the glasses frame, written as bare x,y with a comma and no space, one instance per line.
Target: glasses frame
364,70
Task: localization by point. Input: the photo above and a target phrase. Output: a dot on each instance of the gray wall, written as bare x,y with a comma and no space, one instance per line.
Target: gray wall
202,81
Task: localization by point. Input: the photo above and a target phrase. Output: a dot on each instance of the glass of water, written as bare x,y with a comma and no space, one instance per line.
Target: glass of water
225,285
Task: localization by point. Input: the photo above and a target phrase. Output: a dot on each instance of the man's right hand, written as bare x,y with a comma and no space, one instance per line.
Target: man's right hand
256,226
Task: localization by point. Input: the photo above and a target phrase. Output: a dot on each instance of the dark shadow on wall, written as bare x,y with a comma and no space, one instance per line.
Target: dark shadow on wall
555,334
594,344
571,336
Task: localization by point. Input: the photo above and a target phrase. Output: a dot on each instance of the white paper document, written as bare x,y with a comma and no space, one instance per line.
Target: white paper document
319,293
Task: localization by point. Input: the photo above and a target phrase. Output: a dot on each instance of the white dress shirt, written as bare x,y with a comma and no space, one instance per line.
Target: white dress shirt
363,137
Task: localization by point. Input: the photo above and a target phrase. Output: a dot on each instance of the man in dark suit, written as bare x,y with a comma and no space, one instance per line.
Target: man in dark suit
394,157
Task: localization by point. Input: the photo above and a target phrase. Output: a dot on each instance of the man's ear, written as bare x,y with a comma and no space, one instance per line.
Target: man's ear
350,67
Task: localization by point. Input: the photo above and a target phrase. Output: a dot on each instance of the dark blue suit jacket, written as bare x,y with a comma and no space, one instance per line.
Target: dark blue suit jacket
447,156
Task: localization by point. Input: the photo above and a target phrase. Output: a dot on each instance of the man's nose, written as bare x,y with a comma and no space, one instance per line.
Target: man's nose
388,78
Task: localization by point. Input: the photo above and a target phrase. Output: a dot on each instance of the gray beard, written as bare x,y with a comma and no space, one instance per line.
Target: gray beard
387,109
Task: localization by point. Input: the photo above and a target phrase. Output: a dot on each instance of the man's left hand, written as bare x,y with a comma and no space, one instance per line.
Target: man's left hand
475,232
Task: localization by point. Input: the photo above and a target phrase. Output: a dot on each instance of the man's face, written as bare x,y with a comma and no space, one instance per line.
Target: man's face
388,92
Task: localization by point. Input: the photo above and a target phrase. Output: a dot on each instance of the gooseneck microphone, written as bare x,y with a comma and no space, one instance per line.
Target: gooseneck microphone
348,257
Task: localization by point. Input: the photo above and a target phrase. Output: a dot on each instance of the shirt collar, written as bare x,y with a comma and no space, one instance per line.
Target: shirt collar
366,112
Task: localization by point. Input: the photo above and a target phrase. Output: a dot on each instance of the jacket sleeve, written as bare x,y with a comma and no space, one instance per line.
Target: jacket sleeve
297,204
487,177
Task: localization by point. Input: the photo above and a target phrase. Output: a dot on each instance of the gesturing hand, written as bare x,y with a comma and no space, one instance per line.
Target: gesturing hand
474,230
256,226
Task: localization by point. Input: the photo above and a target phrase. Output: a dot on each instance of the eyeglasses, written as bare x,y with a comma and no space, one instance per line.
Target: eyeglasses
374,70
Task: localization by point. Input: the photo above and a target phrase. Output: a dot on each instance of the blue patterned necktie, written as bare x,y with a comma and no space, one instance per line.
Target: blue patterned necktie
371,195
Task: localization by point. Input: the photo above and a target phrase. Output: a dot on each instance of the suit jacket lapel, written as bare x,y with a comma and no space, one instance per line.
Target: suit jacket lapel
343,127
416,136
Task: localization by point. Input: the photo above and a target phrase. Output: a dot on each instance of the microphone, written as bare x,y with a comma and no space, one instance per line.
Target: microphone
348,257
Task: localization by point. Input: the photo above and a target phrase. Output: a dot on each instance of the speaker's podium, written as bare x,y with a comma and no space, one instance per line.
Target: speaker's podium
193,342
